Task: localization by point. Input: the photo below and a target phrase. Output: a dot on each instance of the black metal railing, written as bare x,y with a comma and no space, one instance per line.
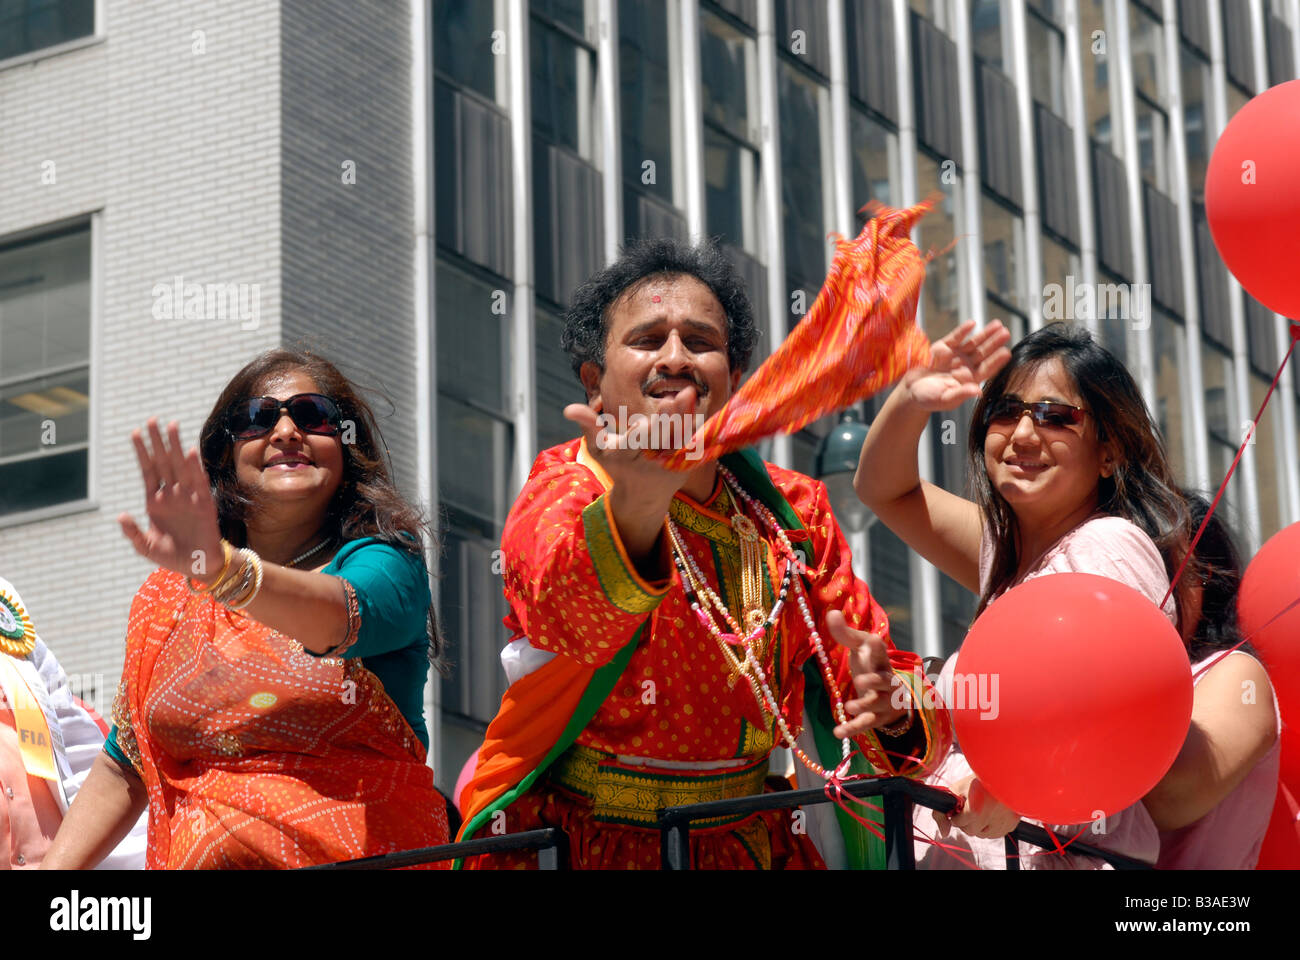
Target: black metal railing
551,844
899,796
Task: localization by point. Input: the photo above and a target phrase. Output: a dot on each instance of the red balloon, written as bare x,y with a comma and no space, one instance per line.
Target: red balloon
1270,584
1252,197
1091,697
1281,850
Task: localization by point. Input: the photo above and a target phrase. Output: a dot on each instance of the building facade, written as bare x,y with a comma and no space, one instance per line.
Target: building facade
417,189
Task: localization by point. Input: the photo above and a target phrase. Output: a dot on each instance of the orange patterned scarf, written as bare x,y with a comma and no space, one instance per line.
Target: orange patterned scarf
257,754
859,337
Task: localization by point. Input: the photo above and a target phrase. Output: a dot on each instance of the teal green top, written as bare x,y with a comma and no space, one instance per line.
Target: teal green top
392,588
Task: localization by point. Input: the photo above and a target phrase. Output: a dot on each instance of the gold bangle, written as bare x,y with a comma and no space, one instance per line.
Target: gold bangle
900,727
226,552
238,582
256,563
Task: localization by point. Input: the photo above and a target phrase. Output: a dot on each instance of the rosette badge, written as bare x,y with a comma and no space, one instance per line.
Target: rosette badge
17,635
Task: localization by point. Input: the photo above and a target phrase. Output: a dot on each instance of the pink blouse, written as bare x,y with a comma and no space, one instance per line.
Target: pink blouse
1229,837
1109,547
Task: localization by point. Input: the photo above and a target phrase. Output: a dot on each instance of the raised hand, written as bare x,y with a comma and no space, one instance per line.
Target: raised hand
184,535
873,678
959,363
635,470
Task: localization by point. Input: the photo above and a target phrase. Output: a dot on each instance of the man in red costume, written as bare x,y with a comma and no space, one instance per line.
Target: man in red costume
631,587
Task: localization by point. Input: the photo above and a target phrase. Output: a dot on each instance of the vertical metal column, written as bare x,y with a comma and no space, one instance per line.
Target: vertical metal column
523,356
1196,443
1249,506
1033,223
971,243
692,118
424,333
1074,46
926,611
611,146
1121,62
770,159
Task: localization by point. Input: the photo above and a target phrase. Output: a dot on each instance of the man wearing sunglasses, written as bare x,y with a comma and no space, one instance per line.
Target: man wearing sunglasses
656,617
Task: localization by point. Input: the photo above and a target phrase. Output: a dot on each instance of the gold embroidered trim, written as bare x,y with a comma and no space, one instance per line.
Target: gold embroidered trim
634,795
618,582
126,741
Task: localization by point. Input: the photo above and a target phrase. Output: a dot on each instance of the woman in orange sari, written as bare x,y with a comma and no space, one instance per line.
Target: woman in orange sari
271,706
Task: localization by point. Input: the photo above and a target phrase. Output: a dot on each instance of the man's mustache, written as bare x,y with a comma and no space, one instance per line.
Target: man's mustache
701,388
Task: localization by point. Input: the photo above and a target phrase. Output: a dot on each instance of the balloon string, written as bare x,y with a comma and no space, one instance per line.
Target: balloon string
1250,435
1271,620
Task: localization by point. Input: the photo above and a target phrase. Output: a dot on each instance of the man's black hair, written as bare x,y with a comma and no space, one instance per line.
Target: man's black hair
586,325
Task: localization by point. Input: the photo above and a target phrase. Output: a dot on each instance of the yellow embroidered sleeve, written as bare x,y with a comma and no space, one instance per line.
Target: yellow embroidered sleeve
624,587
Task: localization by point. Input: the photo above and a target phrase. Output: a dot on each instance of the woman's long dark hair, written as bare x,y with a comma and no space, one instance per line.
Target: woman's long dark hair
1220,577
1142,489
367,502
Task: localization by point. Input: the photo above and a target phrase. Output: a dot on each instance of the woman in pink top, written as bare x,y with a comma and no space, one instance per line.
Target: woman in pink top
1069,475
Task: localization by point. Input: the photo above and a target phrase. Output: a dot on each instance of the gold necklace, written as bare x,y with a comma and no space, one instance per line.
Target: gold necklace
753,612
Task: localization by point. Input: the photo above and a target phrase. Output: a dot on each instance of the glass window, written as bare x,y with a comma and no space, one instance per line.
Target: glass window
990,29
1169,341
891,583
474,434
875,163
1146,39
1224,427
1269,468
645,85
731,157
943,295
474,451
1197,100
557,387
473,338
563,89
1113,325
463,42
1062,267
937,11
570,14
44,371
1004,252
1153,144
731,189
804,180
1047,65
1100,96
1237,98
37,24
727,74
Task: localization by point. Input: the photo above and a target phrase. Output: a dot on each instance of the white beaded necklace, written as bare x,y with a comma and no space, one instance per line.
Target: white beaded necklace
704,600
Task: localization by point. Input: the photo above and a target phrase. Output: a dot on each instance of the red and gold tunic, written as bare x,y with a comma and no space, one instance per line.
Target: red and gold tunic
676,726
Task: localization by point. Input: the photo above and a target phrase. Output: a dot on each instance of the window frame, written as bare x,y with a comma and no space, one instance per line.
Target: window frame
90,222
96,35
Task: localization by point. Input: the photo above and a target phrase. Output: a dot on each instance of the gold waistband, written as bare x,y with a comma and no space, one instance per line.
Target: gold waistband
623,793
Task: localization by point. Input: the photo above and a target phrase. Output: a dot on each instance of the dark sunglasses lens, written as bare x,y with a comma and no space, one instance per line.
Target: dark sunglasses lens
315,414
251,418
1056,415
1005,410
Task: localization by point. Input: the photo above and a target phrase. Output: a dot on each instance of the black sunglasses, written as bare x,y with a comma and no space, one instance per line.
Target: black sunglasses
256,416
1008,409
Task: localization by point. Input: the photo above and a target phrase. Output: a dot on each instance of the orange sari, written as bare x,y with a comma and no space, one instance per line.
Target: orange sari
256,754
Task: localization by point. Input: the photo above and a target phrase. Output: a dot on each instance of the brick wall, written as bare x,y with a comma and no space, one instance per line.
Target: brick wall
178,149
347,248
